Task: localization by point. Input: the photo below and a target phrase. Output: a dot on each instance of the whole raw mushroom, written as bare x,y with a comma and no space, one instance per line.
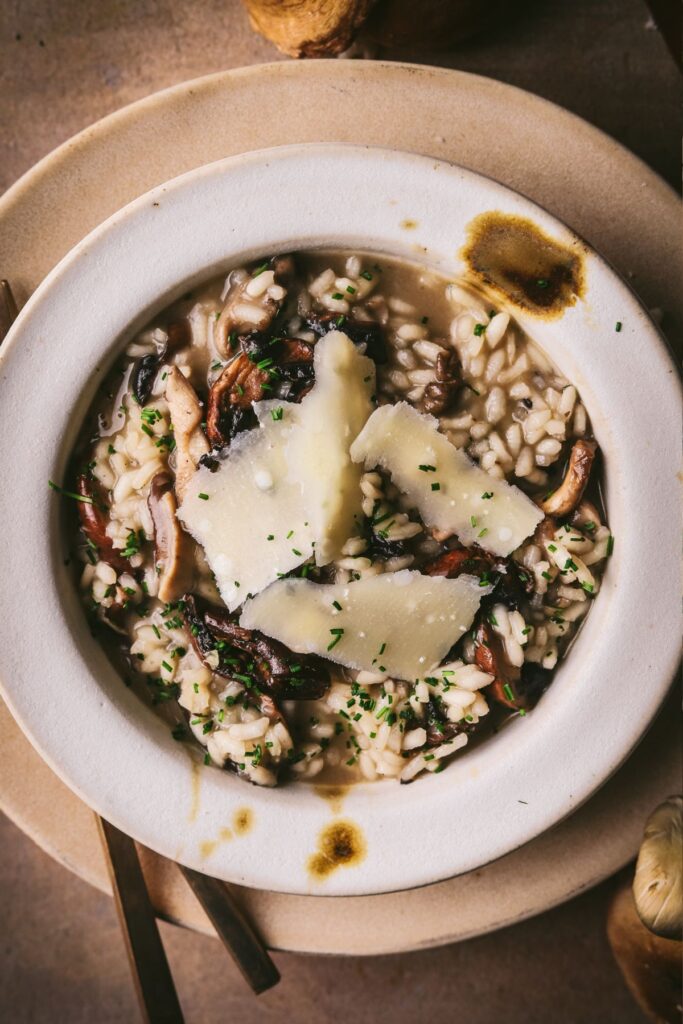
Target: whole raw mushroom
644,921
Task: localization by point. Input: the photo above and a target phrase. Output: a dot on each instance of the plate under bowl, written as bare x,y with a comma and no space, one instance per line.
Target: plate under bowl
114,752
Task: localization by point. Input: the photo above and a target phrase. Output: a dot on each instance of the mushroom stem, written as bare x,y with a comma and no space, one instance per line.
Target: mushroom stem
173,556
568,495
94,524
186,417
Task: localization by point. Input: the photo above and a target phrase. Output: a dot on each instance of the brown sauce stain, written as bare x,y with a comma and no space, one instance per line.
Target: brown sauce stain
513,258
242,820
209,846
408,224
334,796
340,845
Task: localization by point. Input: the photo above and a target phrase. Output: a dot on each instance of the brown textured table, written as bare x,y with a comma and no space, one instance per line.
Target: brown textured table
61,67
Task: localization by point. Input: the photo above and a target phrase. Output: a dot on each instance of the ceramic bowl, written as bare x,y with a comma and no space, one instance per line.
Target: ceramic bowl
114,752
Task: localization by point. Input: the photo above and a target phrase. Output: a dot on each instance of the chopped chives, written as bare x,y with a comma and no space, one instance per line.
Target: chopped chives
204,497
70,494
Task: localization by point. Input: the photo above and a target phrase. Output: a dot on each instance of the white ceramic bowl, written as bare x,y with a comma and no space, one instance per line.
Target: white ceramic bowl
112,750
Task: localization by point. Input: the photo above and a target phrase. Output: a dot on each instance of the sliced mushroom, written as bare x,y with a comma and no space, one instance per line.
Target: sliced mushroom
179,334
285,372
186,418
274,669
439,396
545,531
361,332
94,523
244,314
586,516
568,495
453,563
279,671
489,654
439,729
509,579
173,552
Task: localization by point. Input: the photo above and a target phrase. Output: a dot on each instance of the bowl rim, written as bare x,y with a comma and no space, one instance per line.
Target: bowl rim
22,701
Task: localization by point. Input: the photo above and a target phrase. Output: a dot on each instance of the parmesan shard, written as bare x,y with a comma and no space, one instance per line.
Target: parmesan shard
248,515
287,489
445,486
401,623
330,417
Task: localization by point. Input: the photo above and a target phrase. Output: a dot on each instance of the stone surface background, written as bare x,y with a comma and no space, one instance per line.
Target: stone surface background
64,65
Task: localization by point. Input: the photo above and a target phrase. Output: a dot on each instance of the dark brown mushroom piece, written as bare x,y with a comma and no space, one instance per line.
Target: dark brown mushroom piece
209,646
510,580
365,333
274,669
263,369
284,269
489,654
144,373
456,562
440,395
244,314
545,531
94,521
186,418
568,495
173,550
439,729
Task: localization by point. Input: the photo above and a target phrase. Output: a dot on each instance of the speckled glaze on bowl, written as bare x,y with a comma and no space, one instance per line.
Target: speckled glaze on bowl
114,752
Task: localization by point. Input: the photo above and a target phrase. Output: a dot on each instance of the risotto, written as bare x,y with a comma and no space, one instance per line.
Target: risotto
450,535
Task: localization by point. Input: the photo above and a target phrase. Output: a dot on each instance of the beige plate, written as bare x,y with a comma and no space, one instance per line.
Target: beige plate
587,180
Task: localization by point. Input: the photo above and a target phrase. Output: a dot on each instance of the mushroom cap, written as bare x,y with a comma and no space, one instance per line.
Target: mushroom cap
658,882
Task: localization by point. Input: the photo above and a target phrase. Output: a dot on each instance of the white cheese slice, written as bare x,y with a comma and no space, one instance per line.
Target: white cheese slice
249,516
288,489
449,492
329,418
403,623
